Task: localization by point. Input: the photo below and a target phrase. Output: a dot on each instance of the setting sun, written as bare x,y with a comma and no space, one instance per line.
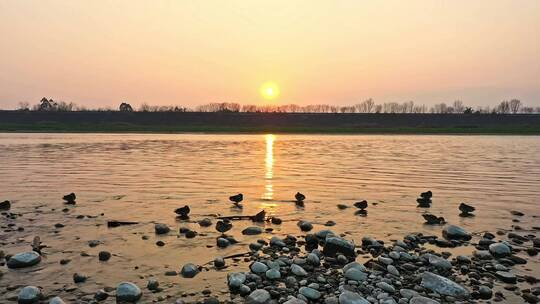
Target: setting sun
269,90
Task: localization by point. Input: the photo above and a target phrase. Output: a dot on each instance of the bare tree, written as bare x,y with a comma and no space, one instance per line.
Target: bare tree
23,106
515,105
458,106
504,107
125,107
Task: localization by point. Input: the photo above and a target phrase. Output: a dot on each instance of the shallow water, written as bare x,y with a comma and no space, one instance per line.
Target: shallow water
144,177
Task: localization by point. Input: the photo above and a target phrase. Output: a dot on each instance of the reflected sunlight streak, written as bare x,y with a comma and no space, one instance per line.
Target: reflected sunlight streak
269,161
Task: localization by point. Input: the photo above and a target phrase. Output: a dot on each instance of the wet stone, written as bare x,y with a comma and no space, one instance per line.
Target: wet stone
128,292
189,270
24,259
56,300
29,295
258,296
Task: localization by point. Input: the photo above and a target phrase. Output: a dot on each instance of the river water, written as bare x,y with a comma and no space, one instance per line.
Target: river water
144,177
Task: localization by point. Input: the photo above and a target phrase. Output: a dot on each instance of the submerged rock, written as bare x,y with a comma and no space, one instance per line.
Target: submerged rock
443,286
361,205
128,292
183,212
70,198
223,226
24,259
433,220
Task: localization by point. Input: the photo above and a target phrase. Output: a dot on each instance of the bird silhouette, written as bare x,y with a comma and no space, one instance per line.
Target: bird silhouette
466,209
299,197
70,198
223,226
183,212
361,205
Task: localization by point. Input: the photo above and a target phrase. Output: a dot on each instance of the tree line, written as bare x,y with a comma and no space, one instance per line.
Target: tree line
513,106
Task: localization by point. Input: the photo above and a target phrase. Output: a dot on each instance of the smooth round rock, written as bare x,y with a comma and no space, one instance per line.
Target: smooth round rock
273,274
258,267
422,300
161,228
57,300
128,292
29,295
499,250
258,296
254,230
24,259
189,270
298,270
348,297
309,293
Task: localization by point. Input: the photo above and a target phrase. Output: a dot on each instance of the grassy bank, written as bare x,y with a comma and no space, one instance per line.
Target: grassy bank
138,128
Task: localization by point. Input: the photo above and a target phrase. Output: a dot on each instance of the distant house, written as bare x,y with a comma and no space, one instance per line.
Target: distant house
125,107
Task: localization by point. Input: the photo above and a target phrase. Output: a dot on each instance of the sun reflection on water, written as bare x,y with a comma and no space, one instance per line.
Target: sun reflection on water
269,172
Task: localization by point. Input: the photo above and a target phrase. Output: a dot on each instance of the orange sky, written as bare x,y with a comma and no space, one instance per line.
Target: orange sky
99,53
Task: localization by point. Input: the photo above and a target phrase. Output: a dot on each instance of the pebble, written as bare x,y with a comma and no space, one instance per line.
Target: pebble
29,295
254,230
161,228
298,270
189,270
128,292
258,296
24,259
348,297
310,293
104,255
57,300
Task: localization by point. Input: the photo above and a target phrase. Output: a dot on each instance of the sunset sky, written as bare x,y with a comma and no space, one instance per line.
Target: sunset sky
99,53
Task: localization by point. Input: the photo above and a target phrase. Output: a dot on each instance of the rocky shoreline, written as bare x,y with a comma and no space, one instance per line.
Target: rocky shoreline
318,267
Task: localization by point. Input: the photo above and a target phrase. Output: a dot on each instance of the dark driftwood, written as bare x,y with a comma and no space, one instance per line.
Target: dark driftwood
232,256
112,224
259,217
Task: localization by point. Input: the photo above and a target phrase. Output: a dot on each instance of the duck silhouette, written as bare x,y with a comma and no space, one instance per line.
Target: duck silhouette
183,212
361,205
223,226
466,209
299,197
70,198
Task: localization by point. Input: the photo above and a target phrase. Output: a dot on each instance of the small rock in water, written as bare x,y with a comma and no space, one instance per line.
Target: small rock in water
5,205
24,259
205,222
485,292
152,285
29,295
219,262
57,300
104,255
425,199
305,225
276,221
517,213
222,242
101,295
79,278
161,228
189,270
258,296
253,230
128,292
